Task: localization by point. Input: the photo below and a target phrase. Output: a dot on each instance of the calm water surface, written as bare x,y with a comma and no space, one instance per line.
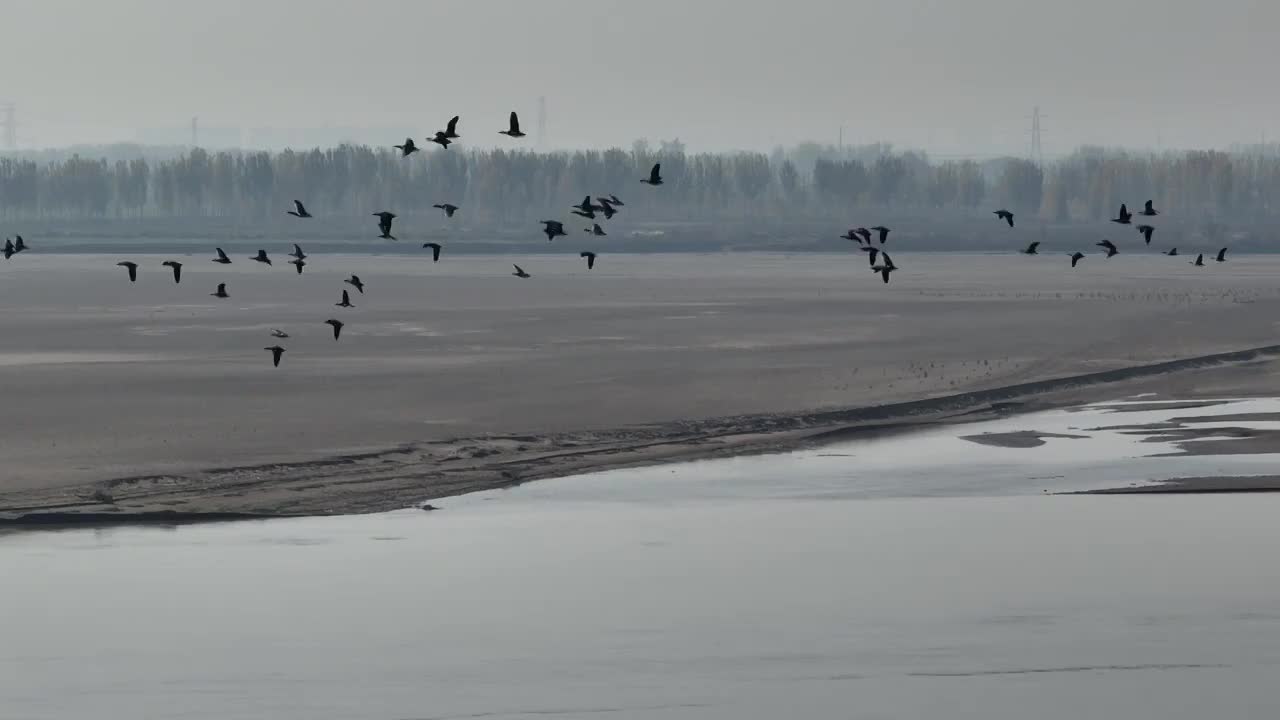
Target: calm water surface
753,588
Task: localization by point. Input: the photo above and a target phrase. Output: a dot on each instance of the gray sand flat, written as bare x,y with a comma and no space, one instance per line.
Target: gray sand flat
104,379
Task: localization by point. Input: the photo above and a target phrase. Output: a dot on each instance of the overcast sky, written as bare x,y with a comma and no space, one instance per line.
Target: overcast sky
945,75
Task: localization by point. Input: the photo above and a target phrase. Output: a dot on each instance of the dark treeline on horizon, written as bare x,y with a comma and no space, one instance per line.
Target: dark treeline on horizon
502,188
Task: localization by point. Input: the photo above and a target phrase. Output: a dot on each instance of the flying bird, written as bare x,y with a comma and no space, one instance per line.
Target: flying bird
1004,215
553,229
1199,262
435,250
513,128
337,326
520,273
384,224
9,250
278,333
449,209
1146,231
451,130
221,292
613,200
596,230
591,259
297,252
1110,246
1032,249
655,176
408,148
1124,217
298,263
276,352
1222,255
346,301
132,267
222,258
441,139
20,245
586,209
884,233
851,235
1149,210
1076,258
607,208
1173,251
262,257
885,268
865,233
872,251
353,281
299,210
177,269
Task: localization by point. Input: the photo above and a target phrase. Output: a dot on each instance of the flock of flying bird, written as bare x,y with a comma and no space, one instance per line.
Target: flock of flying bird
863,237
606,207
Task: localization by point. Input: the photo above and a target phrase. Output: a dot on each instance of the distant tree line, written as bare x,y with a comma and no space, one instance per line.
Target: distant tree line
502,188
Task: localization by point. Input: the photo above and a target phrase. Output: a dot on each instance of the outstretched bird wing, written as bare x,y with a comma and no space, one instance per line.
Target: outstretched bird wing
302,210
656,173
515,122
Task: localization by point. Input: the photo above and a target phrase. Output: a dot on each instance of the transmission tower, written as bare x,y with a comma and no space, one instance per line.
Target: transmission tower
1037,150
542,123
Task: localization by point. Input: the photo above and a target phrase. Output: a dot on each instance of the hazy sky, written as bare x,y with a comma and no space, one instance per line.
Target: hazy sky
946,75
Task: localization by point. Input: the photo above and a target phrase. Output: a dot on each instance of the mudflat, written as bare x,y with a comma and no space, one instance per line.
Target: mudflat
454,376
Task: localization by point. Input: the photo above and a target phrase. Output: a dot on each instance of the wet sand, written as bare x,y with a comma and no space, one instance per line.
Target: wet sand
455,377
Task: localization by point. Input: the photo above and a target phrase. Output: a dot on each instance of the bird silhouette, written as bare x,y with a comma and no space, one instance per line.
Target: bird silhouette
1146,231
520,273
299,210
435,250
337,326
614,201
9,250
1124,217
19,244
384,224
132,267
276,352
298,263
872,251
1149,210
1032,249
261,257
553,229
884,233
885,267
354,281
451,130
851,235
865,234
1173,251
596,230
408,148
591,259
449,209
1222,255
297,252
606,207
441,139
513,127
278,333
655,176
177,269
222,258
1199,261
1110,246
221,292
346,301
1004,215
1076,258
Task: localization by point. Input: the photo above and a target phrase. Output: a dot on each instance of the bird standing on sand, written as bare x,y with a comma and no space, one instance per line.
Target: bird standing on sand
596,230
655,176
520,273
591,259
221,292
435,250
1004,215
1110,246
408,148
222,258
353,281
1125,217
177,269
262,257
1076,258
299,210
132,267
1149,210
346,301
448,208
513,127
276,352
1146,231
884,233
553,229
885,267
1222,255
385,219
337,326
1032,249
